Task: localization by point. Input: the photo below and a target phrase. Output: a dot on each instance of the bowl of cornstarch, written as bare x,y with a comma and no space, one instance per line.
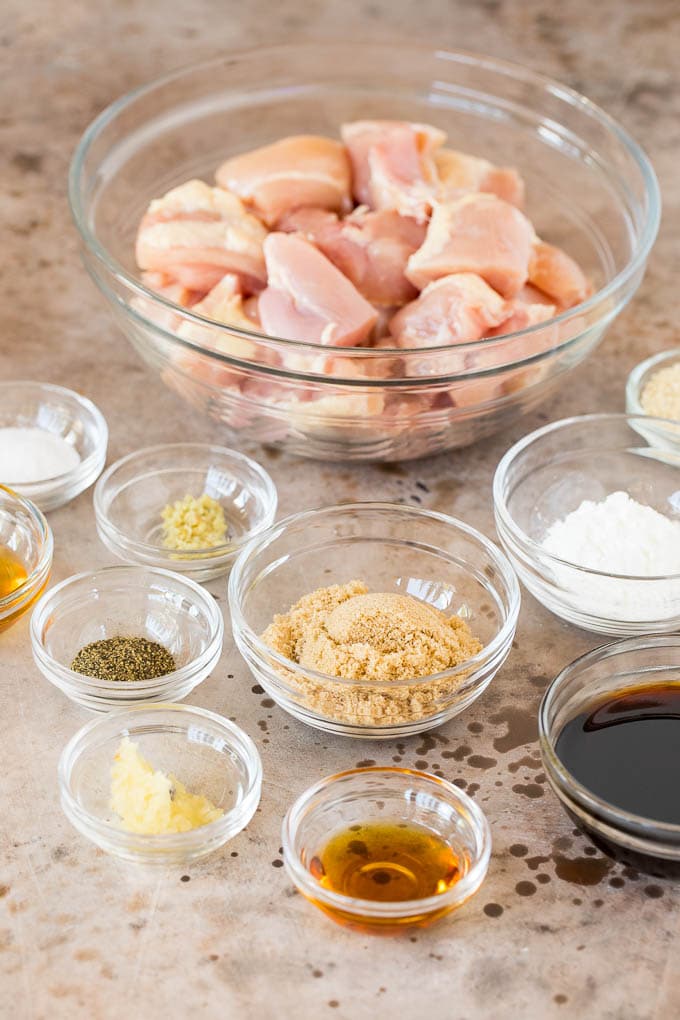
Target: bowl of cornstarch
588,511
52,442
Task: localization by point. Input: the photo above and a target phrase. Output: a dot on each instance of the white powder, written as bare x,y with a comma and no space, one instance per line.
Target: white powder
617,536
34,455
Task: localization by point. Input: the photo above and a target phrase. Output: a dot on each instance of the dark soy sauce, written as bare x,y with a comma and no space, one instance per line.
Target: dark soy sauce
625,748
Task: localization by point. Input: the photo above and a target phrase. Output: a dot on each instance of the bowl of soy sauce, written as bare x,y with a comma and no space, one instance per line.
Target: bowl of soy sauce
609,727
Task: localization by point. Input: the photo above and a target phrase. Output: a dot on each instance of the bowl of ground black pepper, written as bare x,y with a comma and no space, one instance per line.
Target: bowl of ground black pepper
126,635
373,619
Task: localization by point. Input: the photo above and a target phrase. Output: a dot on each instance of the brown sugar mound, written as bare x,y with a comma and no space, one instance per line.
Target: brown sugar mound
345,632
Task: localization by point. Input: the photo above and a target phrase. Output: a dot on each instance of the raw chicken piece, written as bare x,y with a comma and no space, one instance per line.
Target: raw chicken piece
308,299
296,171
370,248
477,233
459,172
175,292
195,234
223,304
556,273
393,164
456,309
521,315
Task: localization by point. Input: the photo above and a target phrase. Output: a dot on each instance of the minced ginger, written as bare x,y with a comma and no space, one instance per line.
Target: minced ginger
343,631
194,523
151,802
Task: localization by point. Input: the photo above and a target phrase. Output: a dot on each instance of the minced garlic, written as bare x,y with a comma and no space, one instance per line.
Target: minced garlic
152,802
661,395
194,523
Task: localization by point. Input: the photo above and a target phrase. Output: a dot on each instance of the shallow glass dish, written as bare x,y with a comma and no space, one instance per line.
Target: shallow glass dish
26,533
131,494
208,754
610,669
669,436
131,601
392,548
546,476
590,189
65,414
385,795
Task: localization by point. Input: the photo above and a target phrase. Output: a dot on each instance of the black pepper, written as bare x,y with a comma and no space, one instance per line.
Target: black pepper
124,658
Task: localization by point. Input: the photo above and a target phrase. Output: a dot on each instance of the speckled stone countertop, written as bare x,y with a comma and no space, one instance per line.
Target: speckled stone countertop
557,930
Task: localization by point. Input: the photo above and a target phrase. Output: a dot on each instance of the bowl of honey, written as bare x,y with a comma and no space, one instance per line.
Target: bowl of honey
25,555
383,850
609,727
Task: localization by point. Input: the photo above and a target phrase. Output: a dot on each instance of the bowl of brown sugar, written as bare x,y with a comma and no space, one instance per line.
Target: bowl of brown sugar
373,619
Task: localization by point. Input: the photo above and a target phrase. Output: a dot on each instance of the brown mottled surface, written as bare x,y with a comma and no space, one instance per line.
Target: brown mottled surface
556,931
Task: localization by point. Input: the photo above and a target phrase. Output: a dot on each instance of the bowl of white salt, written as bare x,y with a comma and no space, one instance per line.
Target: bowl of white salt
52,442
588,511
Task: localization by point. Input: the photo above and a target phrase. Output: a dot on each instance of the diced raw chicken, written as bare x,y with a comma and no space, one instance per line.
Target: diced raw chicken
459,172
393,164
523,315
195,234
459,308
370,248
308,299
477,233
293,172
557,275
167,288
223,304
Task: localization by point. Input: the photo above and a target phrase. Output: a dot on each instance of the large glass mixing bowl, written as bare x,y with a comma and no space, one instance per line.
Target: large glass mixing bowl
590,189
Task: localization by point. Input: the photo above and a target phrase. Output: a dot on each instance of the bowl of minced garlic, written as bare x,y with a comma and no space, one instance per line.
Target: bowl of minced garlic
160,784
356,657
653,389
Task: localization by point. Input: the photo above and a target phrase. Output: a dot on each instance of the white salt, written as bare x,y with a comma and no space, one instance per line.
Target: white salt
34,455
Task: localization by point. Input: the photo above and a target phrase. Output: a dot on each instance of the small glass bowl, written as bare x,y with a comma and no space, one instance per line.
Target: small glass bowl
546,476
65,414
669,436
389,795
392,548
642,842
132,601
131,494
207,753
24,531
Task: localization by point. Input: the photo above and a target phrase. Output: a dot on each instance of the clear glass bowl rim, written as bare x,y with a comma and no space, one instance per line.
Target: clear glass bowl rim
247,754
297,50
46,549
48,605
204,555
263,651
88,464
459,892
602,809
535,548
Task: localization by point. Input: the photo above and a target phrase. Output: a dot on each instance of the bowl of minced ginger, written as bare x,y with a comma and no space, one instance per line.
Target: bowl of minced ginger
356,657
